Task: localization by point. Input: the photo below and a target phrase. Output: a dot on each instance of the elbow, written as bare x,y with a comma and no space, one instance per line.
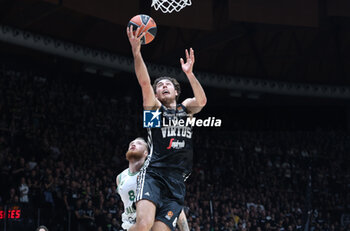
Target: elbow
202,102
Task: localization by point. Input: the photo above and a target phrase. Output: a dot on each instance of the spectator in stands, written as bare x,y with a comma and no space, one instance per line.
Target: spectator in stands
23,191
73,136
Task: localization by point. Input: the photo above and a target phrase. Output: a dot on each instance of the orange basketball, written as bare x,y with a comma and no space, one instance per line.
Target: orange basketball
147,25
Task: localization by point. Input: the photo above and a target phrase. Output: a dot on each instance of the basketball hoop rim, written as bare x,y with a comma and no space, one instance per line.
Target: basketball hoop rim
168,6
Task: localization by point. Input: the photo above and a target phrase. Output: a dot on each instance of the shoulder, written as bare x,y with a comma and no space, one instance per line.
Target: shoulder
117,179
120,176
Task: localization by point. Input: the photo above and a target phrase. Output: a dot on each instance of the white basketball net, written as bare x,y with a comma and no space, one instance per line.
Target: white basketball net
168,6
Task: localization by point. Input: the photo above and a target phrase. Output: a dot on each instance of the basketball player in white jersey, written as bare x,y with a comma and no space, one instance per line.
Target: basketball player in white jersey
127,180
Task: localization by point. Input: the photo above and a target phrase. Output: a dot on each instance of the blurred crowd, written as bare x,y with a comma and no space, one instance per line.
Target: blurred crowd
63,142
270,181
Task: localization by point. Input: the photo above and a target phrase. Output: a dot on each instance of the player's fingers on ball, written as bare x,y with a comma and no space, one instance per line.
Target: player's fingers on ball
141,35
128,32
137,31
131,32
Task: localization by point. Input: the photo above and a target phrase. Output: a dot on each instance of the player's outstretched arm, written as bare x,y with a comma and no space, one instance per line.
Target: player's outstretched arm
149,99
195,104
182,222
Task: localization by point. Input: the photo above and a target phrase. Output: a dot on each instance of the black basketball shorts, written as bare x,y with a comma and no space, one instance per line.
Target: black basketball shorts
165,192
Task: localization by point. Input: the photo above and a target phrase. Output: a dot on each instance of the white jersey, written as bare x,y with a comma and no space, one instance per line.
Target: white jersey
127,191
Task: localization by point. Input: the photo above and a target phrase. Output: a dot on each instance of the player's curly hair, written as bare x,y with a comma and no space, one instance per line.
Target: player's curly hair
174,81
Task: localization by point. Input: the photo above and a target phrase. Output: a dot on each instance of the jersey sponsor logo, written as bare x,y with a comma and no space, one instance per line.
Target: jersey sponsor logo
176,144
151,119
177,115
147,194
169,215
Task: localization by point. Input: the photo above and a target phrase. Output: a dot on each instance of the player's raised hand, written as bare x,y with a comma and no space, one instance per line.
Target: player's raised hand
135,41
187,66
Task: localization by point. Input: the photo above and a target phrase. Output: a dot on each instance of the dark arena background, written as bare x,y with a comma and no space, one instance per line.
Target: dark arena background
276,72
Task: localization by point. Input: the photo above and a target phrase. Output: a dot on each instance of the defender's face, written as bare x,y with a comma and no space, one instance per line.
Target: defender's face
137,145
165,90
137,149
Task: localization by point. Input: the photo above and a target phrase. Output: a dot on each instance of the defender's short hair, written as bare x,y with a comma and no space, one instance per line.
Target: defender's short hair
42,227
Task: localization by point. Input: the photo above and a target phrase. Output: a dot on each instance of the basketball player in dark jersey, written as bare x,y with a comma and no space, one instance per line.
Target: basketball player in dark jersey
161,187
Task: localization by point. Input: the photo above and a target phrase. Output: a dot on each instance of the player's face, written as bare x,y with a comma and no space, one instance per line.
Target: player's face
137,149
165,90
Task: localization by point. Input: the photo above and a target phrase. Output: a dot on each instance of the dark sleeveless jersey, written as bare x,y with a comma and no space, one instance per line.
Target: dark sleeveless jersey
171,148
